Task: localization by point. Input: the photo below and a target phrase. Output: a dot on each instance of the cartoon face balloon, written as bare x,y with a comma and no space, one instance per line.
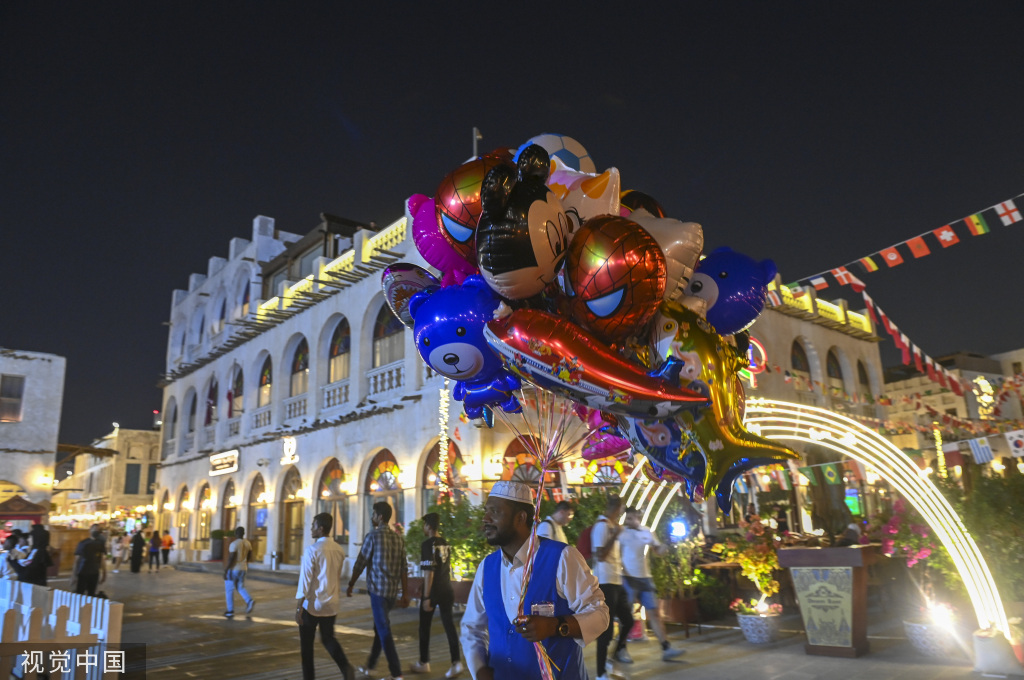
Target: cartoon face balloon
681,242
432,244
730,289
523,231
584,195
615,277
457,201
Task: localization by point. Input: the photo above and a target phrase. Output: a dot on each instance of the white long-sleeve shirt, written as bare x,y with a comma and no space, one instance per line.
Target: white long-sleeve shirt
320,577
573,581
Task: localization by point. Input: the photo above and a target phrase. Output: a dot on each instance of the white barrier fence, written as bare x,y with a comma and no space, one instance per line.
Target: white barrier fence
81,625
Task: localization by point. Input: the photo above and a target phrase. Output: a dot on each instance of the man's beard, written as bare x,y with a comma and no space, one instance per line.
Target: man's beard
501,538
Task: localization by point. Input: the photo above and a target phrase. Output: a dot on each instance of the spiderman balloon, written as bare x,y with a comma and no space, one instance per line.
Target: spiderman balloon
614,277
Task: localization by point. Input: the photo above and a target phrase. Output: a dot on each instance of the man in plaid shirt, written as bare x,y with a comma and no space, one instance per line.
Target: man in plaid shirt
383,552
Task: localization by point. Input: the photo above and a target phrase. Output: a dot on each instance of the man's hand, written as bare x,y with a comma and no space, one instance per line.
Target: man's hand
402,602
348,593
298,616
536,628
423,605
225,575
485,673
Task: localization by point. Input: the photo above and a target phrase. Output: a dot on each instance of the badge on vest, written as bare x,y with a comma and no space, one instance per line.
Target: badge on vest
543,609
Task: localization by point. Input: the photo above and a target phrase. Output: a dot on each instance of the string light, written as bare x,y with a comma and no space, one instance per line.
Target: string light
442,444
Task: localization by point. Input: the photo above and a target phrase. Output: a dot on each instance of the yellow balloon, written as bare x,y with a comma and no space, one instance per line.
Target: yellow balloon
710,365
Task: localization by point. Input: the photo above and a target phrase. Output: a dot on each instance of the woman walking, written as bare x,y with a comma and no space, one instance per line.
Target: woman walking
154,551
138,545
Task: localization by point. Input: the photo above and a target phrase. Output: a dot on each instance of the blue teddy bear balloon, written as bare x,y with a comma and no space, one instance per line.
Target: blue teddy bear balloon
730,288
448,324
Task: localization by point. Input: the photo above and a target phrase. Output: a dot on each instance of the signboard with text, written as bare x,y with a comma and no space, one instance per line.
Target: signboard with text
224,463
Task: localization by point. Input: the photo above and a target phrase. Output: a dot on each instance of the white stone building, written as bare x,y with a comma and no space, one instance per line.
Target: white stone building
31,394
113,480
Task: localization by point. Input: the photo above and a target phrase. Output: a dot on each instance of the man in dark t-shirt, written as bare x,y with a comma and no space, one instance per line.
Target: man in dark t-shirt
90,566
435,562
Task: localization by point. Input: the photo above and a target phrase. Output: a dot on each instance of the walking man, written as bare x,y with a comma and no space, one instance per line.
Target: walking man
634,541
319,596
437,594
552,525
90,567
608,569
165,545
563,606
383,552
234,574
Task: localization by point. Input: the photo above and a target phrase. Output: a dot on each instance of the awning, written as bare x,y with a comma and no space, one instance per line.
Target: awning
19,508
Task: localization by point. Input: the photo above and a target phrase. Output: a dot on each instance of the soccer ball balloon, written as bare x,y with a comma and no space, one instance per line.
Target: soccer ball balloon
565,149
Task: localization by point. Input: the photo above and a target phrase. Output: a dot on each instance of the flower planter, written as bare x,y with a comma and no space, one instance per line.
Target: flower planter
679,610
759,629
929,639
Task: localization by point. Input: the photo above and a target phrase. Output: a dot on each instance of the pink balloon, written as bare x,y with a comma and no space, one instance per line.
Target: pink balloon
432,245
601,444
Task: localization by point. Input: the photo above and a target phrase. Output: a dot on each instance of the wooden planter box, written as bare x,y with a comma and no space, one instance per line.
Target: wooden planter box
679,610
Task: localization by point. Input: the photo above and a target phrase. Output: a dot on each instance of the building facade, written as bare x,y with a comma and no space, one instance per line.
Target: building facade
31,394
114,481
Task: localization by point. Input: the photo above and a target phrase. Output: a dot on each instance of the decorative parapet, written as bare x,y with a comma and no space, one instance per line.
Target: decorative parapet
803,302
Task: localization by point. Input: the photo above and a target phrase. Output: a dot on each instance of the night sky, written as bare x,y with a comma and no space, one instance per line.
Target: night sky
137,139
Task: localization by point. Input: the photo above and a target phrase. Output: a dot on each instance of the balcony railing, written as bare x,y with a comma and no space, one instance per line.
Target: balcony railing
188,441
334,395
261,417
169,449
210,433
234,426
295,407
387,380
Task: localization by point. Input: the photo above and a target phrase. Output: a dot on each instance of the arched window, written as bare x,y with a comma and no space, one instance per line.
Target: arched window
244,304
300,370
184,516
256,532
191,423
218,325
862,377
605,472
431,471
171,423
205,517
201,330
211,404
333,498
388,338
236,393
266,378
341,345
832,367
798,358
382,485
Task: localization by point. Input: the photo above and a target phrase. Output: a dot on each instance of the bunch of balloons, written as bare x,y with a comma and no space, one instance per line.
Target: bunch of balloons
549,273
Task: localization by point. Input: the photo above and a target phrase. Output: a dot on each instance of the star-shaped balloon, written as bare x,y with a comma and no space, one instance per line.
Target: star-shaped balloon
711,365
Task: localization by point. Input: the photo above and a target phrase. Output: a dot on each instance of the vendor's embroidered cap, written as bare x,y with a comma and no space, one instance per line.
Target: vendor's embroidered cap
513,491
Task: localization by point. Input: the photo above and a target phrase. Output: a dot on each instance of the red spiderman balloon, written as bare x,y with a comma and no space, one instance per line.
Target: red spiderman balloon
615,277
458,201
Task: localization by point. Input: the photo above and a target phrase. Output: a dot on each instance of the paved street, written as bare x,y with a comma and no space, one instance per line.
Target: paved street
179,615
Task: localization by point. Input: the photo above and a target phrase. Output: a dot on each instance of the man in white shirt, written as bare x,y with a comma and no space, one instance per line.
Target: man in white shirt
235,571
552,525
608,569
563,607
318,597
633,542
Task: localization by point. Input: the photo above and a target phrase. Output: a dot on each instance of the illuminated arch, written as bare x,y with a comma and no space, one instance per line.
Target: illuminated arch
784,421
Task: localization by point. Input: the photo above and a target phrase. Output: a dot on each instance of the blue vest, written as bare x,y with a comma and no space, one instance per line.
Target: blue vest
509,654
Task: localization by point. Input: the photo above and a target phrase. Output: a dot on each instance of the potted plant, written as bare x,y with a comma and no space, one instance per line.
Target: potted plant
755,552
905,537
217,537
675,581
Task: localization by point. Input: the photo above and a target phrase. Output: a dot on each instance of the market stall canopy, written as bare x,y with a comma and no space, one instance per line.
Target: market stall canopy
20,508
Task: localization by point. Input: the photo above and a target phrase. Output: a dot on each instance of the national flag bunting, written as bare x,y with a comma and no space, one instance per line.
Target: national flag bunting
918,247
892,256
946,236
870,305
1015,440
976,224
980,449
916,351
774,299
809,474
843,276
783,477
868,264
1008,212
819,283
831,473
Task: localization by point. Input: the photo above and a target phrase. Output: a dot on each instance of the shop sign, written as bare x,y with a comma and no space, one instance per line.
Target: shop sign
224,463
826,603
